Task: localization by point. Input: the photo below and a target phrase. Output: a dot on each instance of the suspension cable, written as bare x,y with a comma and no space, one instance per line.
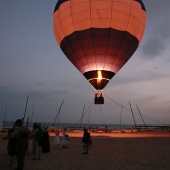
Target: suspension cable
134,112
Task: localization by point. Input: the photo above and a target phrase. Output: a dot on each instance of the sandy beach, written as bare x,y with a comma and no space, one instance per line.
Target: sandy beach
109,151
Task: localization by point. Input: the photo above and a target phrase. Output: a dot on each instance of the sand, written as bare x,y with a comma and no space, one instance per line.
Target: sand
109,151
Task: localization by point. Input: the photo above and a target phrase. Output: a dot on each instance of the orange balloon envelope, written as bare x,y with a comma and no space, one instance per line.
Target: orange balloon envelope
99,36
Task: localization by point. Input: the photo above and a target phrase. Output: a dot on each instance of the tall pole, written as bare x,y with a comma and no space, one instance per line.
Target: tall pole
89,118
25,108
132,114
121,116
58,112
82,116
141,116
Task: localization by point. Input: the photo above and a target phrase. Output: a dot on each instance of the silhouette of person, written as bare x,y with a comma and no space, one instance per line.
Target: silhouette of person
38,142
86,140
11,144
46,141
22,136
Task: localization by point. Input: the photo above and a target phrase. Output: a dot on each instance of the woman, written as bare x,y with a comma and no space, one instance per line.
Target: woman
57,138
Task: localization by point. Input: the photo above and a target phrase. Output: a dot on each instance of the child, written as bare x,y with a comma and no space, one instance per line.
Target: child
65,139
57,138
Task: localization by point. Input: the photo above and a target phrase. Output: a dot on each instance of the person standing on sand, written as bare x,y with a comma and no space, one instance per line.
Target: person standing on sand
11,144
57,138
22,136
34,131
86,140
46,141
65,141
38,142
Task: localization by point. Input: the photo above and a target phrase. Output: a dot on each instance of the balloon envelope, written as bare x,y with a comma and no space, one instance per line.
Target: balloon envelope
99,36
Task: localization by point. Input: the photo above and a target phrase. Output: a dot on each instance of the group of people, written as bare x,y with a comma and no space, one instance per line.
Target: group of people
65,139
18,137
40,141
86,140
18,140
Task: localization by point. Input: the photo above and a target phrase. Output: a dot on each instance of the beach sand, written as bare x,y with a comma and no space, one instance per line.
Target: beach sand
109,151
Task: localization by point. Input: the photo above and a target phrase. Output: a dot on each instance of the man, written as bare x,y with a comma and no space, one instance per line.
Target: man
86,140
22,136
34,131
38,142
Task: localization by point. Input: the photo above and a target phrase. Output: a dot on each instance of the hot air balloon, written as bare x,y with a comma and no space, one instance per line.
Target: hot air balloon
99,36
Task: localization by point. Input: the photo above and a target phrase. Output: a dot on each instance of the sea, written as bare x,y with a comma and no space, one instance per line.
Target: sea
9,124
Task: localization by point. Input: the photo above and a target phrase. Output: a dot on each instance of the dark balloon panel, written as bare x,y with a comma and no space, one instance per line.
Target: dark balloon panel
58,4
99,49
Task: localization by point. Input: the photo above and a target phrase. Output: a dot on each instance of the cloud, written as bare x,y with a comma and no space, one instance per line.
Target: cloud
8,93
156,37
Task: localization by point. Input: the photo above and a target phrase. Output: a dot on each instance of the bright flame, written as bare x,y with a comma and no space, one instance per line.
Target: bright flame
99,75
99,78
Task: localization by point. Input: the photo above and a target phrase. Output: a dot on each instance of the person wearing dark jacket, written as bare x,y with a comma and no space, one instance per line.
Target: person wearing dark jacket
22,137
12,144
46,141
86,140
38,142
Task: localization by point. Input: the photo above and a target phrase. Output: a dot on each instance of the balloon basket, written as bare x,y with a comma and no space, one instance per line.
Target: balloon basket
99,100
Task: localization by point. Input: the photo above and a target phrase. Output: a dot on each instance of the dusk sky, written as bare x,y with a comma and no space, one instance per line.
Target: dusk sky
32,64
